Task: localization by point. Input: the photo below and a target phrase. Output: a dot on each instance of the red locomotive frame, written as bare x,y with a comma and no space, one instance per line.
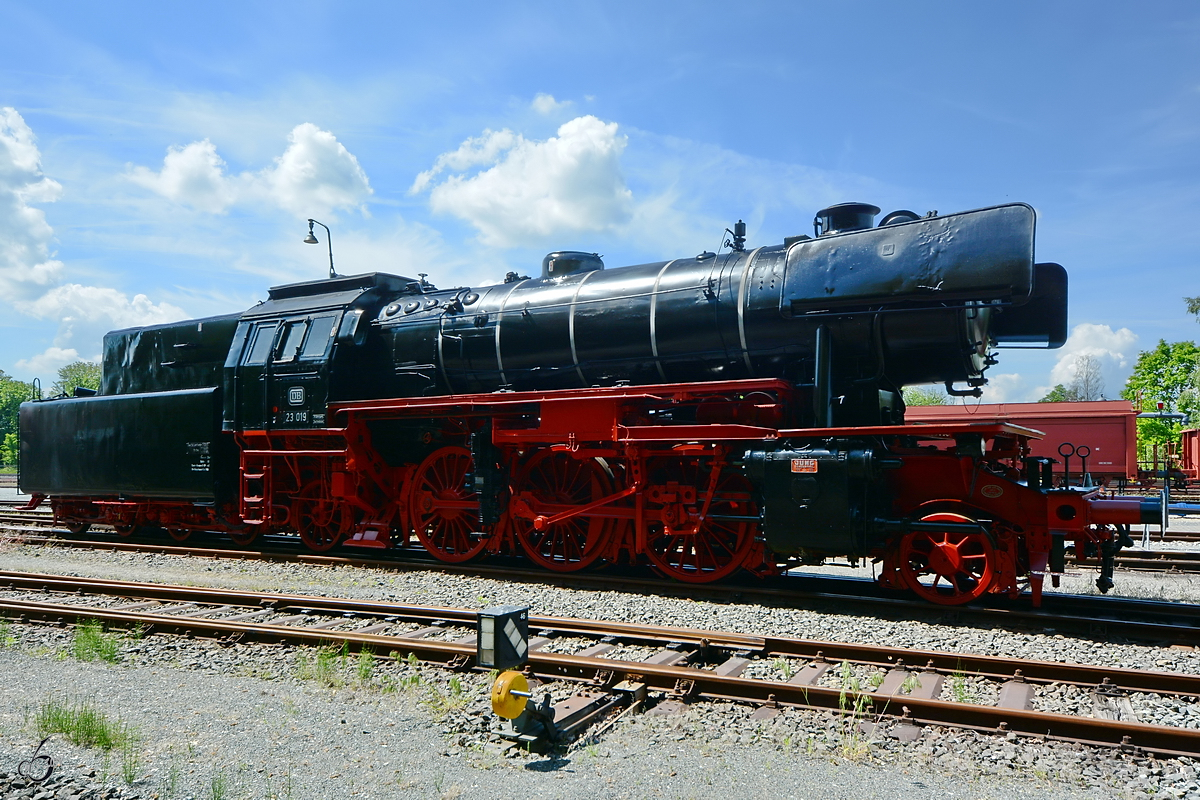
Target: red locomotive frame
604,475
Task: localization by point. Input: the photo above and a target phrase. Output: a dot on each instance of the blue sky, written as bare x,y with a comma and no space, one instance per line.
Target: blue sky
158,161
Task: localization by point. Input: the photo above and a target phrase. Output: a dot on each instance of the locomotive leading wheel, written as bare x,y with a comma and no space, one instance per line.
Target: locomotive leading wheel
445,516
717,547
947,567
320,522
180,534
557,480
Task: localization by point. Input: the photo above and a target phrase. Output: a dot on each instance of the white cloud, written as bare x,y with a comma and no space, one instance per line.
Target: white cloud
31,281
546,104
49,361
72,303
26,262
315,175
1006,387
1116,351
192,176
535,190
485,149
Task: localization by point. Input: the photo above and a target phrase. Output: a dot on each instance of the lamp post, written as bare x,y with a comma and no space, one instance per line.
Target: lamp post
312,239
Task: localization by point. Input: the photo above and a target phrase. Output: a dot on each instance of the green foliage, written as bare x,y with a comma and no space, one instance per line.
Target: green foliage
1193,306
12,394
81,723
925,396
1168,375
91,643
77,373
1060,394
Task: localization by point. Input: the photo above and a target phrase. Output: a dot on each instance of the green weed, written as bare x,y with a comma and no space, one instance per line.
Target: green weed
81,723
365,667
168,784
785,668
91,643
853,702
131,757
218,785
958,687
323,665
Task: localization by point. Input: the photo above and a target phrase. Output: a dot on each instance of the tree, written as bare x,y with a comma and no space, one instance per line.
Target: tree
1089,382
77,373
1060,394
925,396
12,394
1164,375
1193,304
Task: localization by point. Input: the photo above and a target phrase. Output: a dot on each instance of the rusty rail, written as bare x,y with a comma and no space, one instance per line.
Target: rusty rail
687,682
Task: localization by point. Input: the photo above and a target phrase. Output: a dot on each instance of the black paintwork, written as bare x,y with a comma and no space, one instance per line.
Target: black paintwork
915,301
160,445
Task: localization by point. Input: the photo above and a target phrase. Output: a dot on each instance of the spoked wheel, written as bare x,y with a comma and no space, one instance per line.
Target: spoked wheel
246,536
445,516
78,528
321,522
947,567
179,534
125,529
714,549
553,482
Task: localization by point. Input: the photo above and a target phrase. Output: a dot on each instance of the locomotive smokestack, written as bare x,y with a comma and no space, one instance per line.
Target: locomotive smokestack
844,217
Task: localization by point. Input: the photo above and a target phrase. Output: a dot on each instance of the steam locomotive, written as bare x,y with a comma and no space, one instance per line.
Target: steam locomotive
704,415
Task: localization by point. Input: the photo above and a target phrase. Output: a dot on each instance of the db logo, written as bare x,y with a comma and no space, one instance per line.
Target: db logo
992,490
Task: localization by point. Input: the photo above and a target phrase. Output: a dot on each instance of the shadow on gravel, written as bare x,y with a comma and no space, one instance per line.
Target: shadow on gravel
548,765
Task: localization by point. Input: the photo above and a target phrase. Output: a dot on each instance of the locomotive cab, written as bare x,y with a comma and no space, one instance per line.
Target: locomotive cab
308,344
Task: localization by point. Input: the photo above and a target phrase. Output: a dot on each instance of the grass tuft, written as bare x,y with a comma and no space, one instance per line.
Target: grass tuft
91,643
81,723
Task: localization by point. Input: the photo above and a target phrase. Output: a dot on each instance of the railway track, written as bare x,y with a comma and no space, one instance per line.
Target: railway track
1102,618
900,690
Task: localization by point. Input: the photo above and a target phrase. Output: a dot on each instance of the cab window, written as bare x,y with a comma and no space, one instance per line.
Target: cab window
264,336
320,332
289,340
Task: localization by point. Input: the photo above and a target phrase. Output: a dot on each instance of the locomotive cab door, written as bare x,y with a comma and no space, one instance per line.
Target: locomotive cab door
283,374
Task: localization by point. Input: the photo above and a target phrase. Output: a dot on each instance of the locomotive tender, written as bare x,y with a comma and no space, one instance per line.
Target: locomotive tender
703,415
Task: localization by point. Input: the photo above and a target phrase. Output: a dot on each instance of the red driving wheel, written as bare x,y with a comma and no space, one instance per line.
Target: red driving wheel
553,482
445,516
710,550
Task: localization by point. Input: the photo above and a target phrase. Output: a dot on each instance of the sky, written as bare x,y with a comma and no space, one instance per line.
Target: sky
158,161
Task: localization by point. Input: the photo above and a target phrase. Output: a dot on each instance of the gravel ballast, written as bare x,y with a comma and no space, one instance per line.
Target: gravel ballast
266,721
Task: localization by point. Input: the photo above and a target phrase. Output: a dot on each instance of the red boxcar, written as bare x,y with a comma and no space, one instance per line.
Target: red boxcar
1189,454
1107,427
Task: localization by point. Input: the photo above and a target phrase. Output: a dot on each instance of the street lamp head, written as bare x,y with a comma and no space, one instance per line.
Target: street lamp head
312,239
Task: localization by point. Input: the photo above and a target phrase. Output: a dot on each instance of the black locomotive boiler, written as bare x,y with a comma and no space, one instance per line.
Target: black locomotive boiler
704,415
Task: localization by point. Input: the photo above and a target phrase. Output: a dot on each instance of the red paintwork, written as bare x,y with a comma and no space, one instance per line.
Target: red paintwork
1108,427
1189,454
606,474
